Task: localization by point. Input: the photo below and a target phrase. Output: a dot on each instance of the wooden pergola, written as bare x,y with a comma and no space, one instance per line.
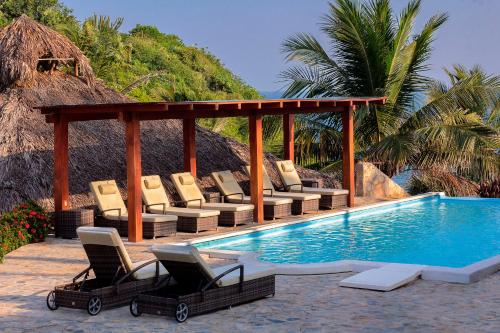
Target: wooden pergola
133,113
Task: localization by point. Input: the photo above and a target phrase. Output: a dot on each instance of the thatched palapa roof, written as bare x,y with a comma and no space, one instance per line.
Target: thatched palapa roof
97,148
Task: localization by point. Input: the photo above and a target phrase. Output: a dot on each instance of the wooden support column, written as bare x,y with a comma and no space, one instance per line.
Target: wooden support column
189,136
134,204
256,165
288,137
348,153
61,181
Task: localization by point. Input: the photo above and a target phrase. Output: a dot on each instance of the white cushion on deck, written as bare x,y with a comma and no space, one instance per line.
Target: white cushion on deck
145,217
385,278
227,207
185,212
321,190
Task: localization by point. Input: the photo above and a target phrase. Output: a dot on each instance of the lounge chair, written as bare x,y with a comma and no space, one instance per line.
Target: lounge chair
189,219
114,213
232,192
330,198
302,202
201,288
117,279
230,214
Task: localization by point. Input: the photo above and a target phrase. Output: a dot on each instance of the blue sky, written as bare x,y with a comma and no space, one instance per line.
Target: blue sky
246,34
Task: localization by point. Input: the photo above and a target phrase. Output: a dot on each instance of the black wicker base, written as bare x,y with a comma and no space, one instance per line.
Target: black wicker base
149,229
194,224
333,201
165,302
232,219
277,211
300,207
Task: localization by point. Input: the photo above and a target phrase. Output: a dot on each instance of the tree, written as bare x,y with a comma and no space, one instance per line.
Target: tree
373,53
48,12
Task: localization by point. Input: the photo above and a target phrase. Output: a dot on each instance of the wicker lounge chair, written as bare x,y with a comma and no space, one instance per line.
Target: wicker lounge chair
231,214
117,280
201,288
232,192
330,198
302,202
189,219
114,213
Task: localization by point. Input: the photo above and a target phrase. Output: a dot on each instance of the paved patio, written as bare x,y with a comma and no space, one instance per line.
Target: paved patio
301,304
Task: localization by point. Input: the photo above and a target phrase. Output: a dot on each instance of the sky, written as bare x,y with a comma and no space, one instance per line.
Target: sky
247,34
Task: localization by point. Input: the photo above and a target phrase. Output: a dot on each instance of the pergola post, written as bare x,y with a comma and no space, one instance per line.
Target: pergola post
189,138
256,165
348,153
134,204
61,182
288,137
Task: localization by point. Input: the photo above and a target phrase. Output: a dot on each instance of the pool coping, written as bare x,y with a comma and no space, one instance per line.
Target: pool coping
467,274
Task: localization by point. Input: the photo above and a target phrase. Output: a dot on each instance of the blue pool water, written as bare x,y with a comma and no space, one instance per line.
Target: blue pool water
441,231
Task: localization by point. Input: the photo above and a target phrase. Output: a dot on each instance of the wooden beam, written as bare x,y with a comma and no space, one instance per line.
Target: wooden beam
288,137
133,144
348,153
189,138
61,181
256,164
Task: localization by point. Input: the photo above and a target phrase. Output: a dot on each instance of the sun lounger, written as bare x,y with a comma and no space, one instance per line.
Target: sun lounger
302,202
189,219
201,288
117,279
231,214
114,213
232,192
330,198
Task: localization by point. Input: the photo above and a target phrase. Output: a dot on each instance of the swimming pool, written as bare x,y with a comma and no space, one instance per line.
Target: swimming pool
437,230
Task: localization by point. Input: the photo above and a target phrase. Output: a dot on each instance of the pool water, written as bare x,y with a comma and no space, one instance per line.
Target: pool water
440,231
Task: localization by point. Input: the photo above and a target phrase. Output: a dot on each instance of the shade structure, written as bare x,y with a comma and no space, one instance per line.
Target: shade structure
133,113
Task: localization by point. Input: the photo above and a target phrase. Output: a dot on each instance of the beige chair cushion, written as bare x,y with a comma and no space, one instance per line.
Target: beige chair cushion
288,174
189,254
228,207
181,253
250,272
107,237
267,184
227,184
146,217
325,191
268,201
147,272
186,212
189,191
108,196
297,195
153,192
187,179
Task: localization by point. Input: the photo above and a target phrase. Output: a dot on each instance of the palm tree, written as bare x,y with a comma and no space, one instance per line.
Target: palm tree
374,53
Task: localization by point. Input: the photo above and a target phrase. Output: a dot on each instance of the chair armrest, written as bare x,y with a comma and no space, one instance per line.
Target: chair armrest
220,276
82,273
112,209
129,274
185,202
312,181
238,193
288,187
157,204
271,190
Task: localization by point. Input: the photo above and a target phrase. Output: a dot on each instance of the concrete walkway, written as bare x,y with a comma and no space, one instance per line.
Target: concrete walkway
302,303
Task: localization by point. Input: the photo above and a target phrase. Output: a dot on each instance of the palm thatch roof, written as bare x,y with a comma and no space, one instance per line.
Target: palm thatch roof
96,148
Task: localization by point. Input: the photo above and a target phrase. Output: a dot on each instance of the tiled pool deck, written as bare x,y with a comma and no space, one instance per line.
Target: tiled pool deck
302,303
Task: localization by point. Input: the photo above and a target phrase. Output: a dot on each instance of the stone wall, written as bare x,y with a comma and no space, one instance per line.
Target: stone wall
371,182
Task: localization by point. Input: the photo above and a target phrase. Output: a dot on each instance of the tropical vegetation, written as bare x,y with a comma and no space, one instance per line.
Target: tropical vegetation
444,130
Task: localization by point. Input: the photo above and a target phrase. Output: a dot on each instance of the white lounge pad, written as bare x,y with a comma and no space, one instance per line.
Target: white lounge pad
385,278
226,206
322,190
185,212
296,195
145,217
267,200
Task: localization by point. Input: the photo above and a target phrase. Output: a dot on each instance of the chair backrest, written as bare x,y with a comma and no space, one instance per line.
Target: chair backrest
184,264
267,183
153,192
288,174
227,184
106,253
108,197
185,184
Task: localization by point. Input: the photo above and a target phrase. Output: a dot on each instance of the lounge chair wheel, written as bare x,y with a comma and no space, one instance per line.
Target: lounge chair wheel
182,312
51,301
134,308
94,306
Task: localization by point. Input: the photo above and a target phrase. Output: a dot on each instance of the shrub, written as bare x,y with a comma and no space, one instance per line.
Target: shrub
490,189
26,223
